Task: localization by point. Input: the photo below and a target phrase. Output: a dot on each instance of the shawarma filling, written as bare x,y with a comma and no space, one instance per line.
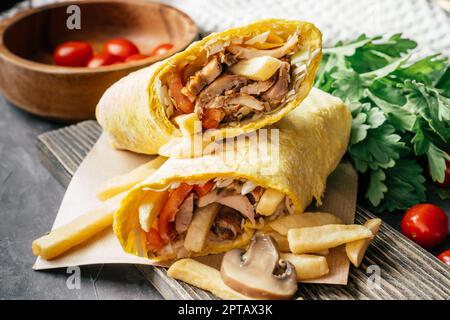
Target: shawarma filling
234,80
188,216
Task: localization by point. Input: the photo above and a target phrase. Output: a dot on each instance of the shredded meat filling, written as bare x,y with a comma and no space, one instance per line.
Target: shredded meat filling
231,96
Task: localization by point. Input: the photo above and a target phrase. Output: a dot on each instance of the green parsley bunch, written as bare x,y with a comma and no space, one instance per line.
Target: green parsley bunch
401,113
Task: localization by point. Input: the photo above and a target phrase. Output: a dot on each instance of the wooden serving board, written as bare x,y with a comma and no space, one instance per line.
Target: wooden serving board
405,270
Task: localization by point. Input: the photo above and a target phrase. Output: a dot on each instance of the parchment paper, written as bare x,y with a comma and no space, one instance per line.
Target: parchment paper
104,162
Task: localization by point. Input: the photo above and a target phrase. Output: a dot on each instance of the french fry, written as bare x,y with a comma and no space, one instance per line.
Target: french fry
77,231
127,181
307,266
204,277
314,239
282,242
198,230
302,220
324,252
357,249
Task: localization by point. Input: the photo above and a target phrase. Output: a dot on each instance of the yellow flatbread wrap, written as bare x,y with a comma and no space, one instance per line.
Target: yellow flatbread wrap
304,148
136,111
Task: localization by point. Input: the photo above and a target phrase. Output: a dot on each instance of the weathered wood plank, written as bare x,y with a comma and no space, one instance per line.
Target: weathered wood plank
406,270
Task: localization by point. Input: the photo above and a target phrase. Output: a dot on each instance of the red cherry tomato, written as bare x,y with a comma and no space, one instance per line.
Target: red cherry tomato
102,59
121,48
445,257
136,57
73,54
161,49
425,224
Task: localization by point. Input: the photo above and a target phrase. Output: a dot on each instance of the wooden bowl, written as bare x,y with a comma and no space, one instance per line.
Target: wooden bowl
29,79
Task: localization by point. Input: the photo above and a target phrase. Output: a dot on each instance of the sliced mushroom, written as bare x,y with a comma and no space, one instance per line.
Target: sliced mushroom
217,87
258,87
246,100
237,99
236,201
259,272
184,215
248,53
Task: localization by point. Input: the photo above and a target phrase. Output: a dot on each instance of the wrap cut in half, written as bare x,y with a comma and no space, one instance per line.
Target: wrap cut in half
211,204
229,83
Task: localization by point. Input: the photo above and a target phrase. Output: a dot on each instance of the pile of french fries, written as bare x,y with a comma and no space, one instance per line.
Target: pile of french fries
303,239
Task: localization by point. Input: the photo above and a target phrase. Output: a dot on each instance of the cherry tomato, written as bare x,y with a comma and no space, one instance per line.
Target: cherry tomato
181,101
445,257
446,183
136,57
161,49
102,59
73,54
121,48
169,210
154,241
211,118
425,224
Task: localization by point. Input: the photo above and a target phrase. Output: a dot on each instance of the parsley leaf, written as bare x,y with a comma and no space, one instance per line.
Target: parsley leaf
405,184
400,110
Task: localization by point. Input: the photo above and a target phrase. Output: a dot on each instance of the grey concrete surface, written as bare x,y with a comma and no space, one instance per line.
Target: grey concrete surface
29,199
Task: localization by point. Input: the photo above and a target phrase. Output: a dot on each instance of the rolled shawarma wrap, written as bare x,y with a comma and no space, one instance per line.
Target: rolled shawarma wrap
211,204
229,83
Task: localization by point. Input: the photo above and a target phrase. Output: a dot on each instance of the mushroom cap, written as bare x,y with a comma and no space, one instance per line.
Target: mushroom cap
259,272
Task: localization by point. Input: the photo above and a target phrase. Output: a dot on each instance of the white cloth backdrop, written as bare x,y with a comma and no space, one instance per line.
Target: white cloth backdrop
421,20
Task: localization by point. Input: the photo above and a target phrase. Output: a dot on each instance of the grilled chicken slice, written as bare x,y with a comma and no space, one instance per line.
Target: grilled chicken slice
183,217
223,83
202,78
236,201
236,99
248,53
279,90
258,87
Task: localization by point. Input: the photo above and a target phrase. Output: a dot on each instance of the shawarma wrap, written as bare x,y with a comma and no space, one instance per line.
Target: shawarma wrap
231,82
211,204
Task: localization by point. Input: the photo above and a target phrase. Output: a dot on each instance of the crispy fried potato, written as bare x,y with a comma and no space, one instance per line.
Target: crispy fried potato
313,239
282,242
203,277
324,252
357,249
127,181
302,220
269,202
198,230
307,266
77,231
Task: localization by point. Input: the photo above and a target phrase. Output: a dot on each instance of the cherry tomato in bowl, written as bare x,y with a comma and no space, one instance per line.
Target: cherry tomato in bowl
161,49
445,257
103,59
121,48
425,224
136,57
73,54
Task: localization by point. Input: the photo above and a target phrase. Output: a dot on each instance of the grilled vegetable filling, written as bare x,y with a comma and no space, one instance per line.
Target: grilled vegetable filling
235,80
189,216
